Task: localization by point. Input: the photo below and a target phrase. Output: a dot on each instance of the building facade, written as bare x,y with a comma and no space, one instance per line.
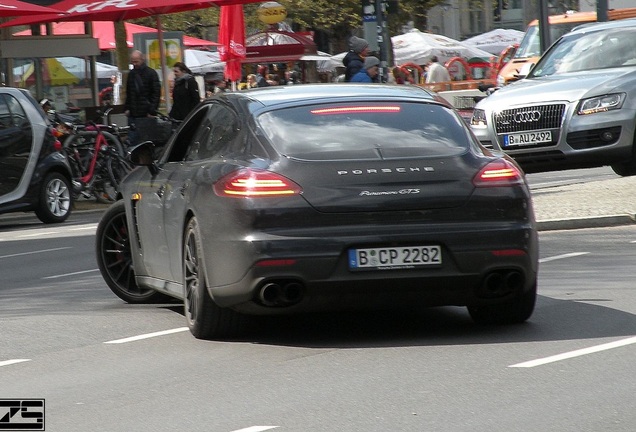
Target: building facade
461,19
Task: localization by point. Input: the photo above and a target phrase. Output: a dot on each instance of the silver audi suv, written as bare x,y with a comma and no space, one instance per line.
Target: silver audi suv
576,108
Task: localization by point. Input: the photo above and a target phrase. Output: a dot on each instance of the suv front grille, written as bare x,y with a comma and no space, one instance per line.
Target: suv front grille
529,118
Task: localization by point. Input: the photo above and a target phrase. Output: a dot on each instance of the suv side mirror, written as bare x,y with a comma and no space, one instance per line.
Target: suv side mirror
525,70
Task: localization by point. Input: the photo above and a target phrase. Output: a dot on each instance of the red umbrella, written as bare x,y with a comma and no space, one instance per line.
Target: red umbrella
104,32
118,10
11,8
232,40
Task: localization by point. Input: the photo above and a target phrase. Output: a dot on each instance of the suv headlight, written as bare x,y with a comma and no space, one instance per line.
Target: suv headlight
601,104
478,118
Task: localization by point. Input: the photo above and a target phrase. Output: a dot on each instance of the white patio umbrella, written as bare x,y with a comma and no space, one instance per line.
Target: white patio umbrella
495,41
418,47
324,61
78,67
201,62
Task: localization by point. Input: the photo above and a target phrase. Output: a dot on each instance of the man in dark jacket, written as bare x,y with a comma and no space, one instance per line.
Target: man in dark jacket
354,60
143,94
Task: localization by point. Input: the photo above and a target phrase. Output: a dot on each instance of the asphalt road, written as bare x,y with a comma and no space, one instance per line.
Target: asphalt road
101,364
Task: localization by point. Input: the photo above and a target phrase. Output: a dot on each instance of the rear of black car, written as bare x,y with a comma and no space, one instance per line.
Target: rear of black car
370,201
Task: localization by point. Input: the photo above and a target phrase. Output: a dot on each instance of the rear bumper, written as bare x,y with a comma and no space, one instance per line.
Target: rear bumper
319,265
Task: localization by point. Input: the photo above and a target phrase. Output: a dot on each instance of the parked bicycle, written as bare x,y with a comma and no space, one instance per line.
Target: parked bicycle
98,159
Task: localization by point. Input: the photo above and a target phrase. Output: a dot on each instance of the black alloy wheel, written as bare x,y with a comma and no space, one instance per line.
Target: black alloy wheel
205,319
114,257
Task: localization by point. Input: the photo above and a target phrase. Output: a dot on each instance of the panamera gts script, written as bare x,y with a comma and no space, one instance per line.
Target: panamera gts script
22,414
391,192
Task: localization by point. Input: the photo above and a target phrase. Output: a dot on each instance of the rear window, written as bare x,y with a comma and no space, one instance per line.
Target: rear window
365,131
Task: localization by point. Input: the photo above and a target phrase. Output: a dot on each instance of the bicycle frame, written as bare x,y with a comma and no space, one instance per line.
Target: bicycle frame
100,143
103,151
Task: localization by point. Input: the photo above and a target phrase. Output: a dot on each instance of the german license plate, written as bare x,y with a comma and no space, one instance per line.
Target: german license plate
527,138
394,258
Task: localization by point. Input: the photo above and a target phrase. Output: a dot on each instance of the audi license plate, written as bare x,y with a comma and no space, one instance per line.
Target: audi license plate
527,138
394,258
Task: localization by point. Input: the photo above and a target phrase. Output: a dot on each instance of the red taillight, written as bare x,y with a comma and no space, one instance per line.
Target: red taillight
508,252
276,263
357,109
252,183
498,173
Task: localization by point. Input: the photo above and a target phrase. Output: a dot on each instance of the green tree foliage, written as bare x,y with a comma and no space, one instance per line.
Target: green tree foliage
338,18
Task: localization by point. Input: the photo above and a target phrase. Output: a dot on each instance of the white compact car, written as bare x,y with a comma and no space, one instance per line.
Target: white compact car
576,108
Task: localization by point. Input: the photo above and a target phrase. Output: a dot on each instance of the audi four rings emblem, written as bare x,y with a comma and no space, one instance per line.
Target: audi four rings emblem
527,116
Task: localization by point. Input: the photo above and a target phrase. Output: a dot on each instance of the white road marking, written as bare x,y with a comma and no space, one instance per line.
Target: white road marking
558,257
34,252
256,429
576,353
14,361
38,234
64,231
86,227
71,274
147,335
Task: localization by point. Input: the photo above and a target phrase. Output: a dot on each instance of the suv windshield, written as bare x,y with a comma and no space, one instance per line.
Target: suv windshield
530,45
589,51
365,130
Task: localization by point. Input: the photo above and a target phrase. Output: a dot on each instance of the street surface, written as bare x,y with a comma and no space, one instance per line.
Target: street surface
101,364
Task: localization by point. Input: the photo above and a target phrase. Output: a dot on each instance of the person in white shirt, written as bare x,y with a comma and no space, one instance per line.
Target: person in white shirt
436,72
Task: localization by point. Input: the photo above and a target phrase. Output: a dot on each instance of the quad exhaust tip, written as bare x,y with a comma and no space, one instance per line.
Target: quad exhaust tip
500,283
281,293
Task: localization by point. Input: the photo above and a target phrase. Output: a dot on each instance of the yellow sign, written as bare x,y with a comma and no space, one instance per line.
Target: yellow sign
172,52
271,12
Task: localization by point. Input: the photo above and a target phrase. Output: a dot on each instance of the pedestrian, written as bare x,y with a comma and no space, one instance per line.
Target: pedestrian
251,81
436,72
220,84
369,72
143,94
354,59
261,76
185,93
106,95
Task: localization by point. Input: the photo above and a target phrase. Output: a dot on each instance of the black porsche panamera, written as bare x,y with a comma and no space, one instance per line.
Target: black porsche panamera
312,197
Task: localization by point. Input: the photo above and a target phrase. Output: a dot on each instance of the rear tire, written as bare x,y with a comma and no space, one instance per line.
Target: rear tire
55,200
206,320
513,312
114,257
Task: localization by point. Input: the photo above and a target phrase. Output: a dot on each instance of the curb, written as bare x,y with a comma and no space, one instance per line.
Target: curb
586,222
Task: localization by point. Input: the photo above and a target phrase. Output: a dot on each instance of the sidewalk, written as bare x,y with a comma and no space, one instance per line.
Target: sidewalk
586,205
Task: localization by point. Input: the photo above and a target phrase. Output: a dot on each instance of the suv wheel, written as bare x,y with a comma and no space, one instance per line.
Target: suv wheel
55,200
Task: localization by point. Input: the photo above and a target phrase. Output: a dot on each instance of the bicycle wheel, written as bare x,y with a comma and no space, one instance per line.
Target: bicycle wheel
104,188
117,170
79,150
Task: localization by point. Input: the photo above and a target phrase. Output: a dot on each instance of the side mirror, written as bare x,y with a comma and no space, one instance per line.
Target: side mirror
525,70
143,155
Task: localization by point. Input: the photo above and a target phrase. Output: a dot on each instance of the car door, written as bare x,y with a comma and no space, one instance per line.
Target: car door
151,207
217,130
16,141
